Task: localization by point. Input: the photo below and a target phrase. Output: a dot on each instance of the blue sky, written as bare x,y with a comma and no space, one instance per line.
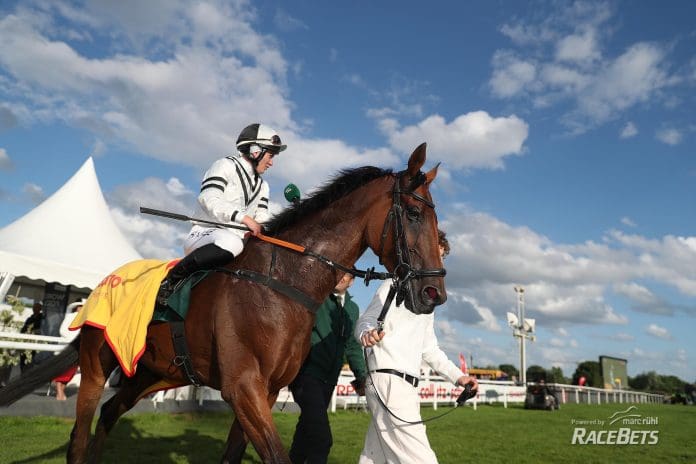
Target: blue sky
564,131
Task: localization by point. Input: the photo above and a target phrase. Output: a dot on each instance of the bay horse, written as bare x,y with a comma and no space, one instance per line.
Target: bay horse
248,339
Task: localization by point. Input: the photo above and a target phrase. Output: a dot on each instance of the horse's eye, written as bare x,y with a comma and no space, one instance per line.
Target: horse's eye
413,213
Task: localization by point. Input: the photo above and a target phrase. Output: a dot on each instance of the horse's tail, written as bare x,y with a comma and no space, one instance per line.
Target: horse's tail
39,374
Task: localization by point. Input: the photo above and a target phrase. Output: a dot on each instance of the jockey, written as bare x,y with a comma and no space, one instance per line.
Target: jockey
232,192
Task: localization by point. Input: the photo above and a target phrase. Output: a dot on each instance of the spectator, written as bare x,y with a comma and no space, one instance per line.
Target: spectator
31,326
394,359
314,385
62,380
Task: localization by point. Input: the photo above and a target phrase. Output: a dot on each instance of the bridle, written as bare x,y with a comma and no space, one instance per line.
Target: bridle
403,274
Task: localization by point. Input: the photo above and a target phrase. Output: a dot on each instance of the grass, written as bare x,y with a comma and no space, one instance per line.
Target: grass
489,434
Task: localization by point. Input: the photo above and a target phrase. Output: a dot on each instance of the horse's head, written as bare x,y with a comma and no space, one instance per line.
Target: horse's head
407,243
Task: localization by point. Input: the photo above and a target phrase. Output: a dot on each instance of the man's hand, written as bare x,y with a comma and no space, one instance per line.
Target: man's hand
254,227
359,386
465,379
371,337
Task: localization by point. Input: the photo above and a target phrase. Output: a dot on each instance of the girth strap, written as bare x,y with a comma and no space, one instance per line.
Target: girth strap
182,358
274,284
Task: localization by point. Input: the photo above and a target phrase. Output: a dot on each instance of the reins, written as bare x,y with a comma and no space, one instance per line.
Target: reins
464,395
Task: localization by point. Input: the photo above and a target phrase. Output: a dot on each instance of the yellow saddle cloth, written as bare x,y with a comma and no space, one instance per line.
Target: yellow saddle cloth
122,305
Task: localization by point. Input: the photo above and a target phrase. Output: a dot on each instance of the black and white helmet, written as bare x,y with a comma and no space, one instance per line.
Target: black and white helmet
262,136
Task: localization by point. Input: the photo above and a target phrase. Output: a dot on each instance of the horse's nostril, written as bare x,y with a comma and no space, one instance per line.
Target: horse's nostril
431,292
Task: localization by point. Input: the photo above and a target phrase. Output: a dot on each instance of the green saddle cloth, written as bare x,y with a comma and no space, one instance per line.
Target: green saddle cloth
178,304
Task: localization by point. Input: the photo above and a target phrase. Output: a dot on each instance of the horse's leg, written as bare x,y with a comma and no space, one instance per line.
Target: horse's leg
237,441
250,400
119,404
236,444
96,363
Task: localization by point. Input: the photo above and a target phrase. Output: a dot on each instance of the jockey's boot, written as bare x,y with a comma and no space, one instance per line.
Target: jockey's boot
206,257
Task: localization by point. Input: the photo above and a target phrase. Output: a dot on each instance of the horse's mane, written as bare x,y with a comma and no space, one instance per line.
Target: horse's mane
340,185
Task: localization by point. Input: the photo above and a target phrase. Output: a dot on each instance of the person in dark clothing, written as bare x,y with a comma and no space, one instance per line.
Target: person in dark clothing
313,387
32,325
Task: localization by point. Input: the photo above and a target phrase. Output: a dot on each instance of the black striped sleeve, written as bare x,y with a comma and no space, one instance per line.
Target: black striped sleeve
214,182
222,189
263,203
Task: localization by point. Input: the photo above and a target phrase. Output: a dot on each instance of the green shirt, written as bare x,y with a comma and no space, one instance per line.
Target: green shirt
332,338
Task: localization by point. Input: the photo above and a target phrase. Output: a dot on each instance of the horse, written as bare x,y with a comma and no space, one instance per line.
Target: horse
248,337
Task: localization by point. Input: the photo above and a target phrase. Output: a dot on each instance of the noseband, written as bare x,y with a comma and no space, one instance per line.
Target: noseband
404,273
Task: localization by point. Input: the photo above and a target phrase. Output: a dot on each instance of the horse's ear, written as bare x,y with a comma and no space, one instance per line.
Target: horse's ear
417,160
431,175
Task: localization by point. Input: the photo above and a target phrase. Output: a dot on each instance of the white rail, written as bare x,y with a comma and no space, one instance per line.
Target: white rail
12,341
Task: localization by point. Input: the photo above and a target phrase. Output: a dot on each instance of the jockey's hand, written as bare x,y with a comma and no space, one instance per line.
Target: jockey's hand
371,337
254,227
465,379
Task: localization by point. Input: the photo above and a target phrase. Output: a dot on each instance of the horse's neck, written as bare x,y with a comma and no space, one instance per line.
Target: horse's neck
337,234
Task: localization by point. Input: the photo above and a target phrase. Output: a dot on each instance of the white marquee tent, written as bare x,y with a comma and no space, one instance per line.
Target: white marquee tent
70,238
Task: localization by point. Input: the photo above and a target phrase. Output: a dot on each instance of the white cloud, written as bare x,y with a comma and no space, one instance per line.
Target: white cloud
5,161
669,136
557,60
34,192
578,47
565,284
467,309
623,337
98,148
511,75
446,328
286,22
628,131
633,77
153,237
526,34
564,78
472,140
8,119
312,161
645,301
149,102
659,332
627,221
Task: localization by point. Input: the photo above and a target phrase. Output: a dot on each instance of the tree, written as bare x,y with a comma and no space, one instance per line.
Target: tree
656,383
536,374
510,370
555,375
592,373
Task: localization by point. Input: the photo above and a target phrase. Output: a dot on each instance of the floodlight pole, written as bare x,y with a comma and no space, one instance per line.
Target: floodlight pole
519,290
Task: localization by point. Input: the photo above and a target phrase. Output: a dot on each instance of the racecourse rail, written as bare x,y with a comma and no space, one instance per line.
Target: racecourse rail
433,389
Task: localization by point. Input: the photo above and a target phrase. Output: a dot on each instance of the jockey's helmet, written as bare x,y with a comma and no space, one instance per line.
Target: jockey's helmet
261,136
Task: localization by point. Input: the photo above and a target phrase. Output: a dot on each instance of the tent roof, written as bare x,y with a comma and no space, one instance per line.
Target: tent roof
70,238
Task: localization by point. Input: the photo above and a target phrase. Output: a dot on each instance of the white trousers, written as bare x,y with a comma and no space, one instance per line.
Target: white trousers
224,238
389,440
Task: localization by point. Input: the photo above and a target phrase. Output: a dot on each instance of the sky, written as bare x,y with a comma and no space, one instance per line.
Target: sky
565,130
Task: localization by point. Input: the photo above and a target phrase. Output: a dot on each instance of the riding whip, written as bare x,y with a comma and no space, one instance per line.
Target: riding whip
367,274
182,217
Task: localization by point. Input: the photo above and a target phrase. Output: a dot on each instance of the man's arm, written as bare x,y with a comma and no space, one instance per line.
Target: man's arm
354,353
438,360
366,329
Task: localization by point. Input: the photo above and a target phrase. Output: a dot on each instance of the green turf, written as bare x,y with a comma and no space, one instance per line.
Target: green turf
490,434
